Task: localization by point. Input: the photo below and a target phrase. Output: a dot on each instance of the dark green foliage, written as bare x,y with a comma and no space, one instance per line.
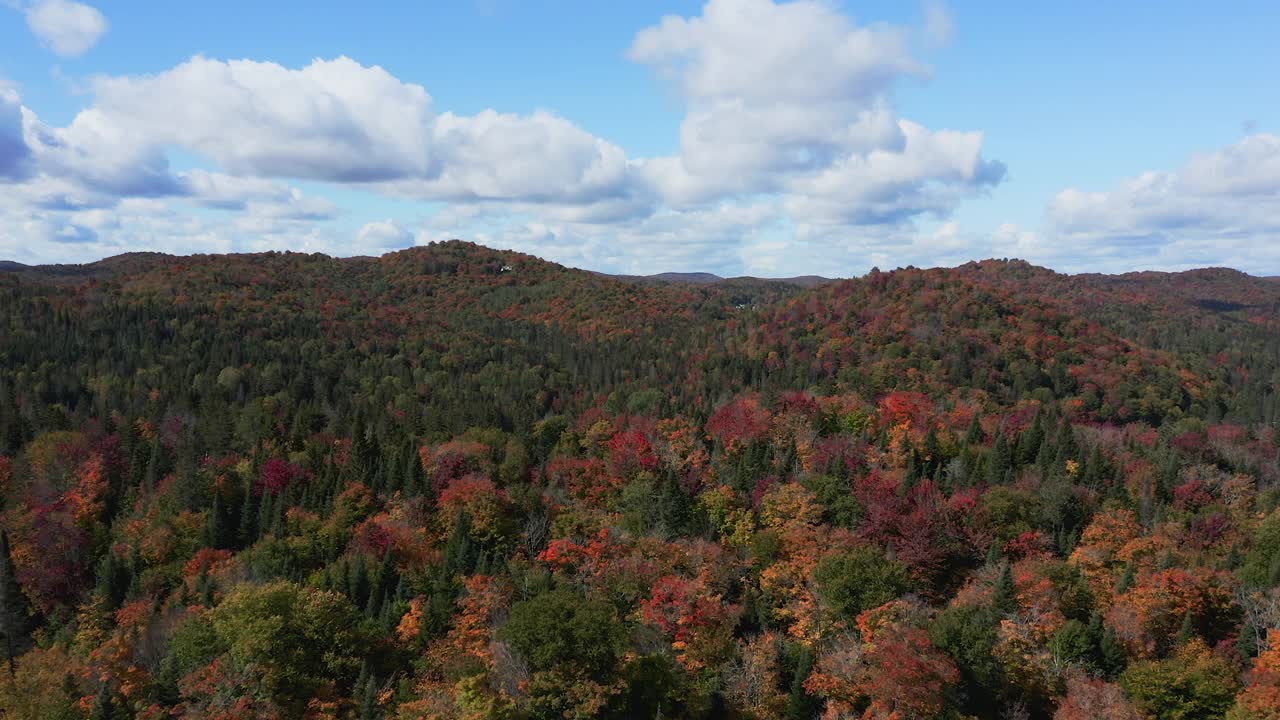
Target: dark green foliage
857,580
15,613
561,628
968,636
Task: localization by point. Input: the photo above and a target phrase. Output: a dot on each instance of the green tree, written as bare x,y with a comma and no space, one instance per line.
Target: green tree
1192,685
15,613
560,628
296,638
860,579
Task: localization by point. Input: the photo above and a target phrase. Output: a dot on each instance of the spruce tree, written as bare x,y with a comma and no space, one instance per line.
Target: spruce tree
247,533
15,614
999,463
104,707
1005,598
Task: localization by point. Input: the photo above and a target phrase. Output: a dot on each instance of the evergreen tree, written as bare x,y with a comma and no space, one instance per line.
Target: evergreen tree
999,462
1005,598
15,614
974,436
247,531
1187,631
104,705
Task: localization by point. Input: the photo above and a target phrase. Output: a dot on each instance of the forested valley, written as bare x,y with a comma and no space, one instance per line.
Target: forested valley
458,482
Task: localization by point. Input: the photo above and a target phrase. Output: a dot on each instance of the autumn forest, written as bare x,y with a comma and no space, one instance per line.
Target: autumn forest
458,482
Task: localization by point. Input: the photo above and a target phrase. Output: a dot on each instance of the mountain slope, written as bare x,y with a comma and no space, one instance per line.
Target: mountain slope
458,482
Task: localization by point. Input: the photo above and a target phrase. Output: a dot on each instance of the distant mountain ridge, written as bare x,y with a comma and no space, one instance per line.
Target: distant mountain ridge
132,262
705,278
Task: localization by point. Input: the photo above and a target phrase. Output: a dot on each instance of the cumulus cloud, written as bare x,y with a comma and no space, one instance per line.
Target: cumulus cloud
795,98
342,122
384,235
102,155
15,156
538,158
1229,195
332,120
67,28
58,232
34,235
771,89
789,138
268,198
931,173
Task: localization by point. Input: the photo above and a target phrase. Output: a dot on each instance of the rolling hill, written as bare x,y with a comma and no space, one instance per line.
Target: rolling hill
454,481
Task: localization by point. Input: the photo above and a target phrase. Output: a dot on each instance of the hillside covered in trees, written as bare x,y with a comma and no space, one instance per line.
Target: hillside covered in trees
456,482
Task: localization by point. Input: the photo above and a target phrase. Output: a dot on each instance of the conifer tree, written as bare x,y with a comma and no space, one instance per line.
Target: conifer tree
15,614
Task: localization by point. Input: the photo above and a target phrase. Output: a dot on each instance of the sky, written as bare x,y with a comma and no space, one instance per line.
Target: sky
741,137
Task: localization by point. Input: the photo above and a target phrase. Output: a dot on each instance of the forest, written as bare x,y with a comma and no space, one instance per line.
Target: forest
454,482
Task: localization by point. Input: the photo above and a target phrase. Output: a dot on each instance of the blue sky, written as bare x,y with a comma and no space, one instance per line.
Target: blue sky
734,136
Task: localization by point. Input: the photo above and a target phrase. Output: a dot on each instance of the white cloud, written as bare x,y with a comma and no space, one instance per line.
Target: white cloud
931,173
938,25
46,231
332,120
771,89
102,155
67,28
711,238
341,122
795,99
1222,207
268,198
1248,168
763,52
789,140
538,158
384,235
15,156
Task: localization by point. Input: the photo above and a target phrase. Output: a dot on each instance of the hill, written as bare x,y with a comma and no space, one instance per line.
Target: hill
702,278
455,481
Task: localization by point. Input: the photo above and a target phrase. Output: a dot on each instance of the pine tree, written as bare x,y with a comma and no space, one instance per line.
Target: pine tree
155,469
247,532
386,577
999,463
413,475
113,580
1029,442
214,529
933,452
104,707
460,552
1005,598
1187,631
1094,468
167,682
266,513
1067,448
369,703
15,614
1112,653
1126,580
974,436
358,586
800,704
993,554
